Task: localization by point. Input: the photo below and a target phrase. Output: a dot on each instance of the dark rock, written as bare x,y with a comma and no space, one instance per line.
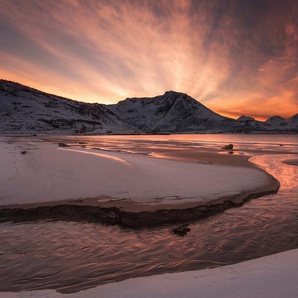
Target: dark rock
228,147
181,231
63,145
24,152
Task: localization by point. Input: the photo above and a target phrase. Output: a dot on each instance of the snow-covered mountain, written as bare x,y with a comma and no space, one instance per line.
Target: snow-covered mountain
175,112
244,118
276,120
293,121
169,113
251,124
27,110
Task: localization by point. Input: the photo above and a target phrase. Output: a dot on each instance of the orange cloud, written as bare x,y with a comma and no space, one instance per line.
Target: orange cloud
232,58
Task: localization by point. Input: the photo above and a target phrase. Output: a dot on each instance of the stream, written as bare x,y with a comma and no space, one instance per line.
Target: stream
72,256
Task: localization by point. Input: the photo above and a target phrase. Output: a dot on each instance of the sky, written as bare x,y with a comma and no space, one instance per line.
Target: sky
237,57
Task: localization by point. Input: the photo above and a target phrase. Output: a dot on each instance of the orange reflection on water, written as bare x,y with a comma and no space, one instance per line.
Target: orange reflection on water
286,174
107,156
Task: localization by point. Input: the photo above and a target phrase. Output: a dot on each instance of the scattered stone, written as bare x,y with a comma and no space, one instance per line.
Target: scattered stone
34,135
63,145
82,143
181,230
228,147
24,152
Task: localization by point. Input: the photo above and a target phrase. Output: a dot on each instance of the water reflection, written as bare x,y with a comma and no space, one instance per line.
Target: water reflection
286,174
242,143
107,156
74,256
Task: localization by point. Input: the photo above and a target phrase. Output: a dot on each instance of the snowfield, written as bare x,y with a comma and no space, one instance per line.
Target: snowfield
273,276
46,172
37,172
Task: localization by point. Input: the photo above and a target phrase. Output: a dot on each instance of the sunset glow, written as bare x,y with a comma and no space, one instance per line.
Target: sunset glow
235,57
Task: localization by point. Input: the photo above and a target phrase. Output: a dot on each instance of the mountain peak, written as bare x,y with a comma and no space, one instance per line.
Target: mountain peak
171,112
176,93
276,120
245,118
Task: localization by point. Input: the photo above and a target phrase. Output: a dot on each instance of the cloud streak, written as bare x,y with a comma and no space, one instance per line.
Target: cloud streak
236,57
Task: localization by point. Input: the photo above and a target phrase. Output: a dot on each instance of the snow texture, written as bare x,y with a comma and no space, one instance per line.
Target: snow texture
273,276
26,110
177,112
51,173
171,112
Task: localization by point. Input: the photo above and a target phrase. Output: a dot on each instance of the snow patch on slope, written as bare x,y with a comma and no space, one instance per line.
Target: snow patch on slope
171,112
26,110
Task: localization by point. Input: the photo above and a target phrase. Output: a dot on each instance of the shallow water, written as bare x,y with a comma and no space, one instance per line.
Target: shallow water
147,144
71,256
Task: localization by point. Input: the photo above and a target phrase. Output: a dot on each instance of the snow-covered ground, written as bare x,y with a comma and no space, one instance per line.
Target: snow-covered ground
273,276
46,172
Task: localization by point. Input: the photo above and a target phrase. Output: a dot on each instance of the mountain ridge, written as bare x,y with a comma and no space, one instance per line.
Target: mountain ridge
27,110
190,116
171,112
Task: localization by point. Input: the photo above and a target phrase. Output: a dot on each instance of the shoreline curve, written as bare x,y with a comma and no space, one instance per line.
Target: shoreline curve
166,209
81,211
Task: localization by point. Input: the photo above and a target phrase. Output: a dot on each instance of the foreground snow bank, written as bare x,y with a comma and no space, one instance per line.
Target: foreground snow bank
272,276
52,173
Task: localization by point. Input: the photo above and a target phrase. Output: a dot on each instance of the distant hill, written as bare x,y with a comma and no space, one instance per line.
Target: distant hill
244,118
276,120
27,110
254,124
293,121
